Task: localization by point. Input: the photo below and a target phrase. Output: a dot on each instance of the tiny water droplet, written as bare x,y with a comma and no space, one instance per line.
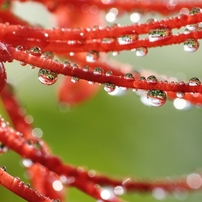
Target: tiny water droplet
19,48
151,20
48,54
3,168
152,79
56,200
128,76
156,98
98,71
36,51
194,11
92,56
109,73
141,52
127,39
142,78
28,185
191,27
74,79
23,63
3,148
194,81
191,45
47,77
85,68
159,34
109,87
34,143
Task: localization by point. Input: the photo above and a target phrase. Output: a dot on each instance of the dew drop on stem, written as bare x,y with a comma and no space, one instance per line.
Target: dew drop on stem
141,52
109,87
159,34
47,77
152,79
194,81
191,45
156,98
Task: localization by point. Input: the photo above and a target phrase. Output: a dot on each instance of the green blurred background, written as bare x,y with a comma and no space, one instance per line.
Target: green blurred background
117,136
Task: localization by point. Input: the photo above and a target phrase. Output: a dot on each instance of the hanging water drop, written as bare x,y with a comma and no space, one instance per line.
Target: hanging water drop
98,71
47,77
180,94
191,45
36,51
194,81
152,79
159,34
156,98
74,79
92,56
141,52
127,39
109,87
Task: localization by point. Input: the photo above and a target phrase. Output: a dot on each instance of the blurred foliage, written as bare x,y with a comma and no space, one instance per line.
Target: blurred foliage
117,136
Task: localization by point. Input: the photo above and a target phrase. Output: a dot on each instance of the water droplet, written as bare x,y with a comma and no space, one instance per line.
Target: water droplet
156,98
85,68
34,143
151,20
128,76
109,73
142,78
194,81
56,200
152,79
92,56
191,27
28,185
109,87
3,148
194,11
74,79
47,77
3,168
159,34
48,54
98,71
19,48
141,52
127,39
191,45
23,63
36,51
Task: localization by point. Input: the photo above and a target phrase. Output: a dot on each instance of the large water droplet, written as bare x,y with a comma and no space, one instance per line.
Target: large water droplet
159,34
191,45
92,56
127,39
142,51
194,81
47,77
109,87
156,98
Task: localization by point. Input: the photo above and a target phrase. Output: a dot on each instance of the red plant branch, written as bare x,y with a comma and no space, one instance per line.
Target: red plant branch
84,41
